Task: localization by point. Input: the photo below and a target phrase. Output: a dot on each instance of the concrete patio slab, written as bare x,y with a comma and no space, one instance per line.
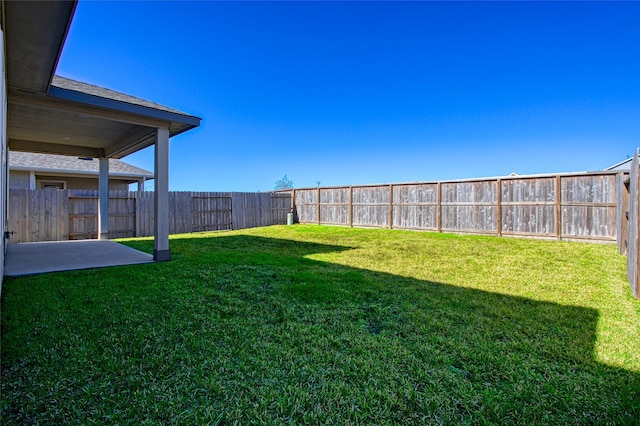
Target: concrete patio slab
55,256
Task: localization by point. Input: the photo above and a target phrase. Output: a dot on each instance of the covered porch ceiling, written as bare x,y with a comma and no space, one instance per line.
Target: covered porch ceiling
79,119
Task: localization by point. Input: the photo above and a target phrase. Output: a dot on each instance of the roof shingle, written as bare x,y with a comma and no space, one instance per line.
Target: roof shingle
64,163
101,92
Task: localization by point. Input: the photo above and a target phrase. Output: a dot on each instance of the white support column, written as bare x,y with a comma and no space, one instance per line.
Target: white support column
32,180
140,185
161,251
103,200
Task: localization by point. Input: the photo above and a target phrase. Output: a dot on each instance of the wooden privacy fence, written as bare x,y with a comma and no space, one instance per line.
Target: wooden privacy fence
581,206
629,218
55,215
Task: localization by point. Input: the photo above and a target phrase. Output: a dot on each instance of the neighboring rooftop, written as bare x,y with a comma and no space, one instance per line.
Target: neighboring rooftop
623,165
66,164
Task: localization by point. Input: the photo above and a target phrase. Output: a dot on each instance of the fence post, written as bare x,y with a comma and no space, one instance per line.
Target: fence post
634,222
318,205
559,207
231,222
65,214
622,212
499,207
136,218
439,208
351,206
390,206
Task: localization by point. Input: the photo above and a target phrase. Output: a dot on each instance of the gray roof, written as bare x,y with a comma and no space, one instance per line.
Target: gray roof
101,92
623,165
29,161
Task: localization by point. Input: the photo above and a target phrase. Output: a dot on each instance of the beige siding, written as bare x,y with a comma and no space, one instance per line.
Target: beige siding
79,183
18,179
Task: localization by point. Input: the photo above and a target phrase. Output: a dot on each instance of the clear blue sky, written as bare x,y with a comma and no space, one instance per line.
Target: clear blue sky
371,92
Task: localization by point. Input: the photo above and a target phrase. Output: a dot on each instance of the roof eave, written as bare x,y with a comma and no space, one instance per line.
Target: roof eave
136,176
120,106
150,141
64,39
35,35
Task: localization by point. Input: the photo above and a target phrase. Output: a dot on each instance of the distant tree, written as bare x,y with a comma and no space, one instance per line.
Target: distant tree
318,182
284,183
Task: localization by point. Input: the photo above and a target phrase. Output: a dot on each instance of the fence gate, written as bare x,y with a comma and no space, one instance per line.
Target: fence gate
83,215
280,207
122,215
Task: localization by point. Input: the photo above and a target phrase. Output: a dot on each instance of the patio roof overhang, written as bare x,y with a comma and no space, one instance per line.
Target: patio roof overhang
35,32
79,119
55,115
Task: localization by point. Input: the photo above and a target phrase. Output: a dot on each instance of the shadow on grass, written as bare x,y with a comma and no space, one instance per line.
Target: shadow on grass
245,328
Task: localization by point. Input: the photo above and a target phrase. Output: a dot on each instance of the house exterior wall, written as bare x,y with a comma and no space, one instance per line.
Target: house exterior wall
3,156
19,179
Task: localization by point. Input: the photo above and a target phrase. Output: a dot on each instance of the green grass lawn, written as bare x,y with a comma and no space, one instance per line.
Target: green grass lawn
328,325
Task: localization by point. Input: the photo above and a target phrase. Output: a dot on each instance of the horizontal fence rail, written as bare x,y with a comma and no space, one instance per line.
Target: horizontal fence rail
56,215
573,206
